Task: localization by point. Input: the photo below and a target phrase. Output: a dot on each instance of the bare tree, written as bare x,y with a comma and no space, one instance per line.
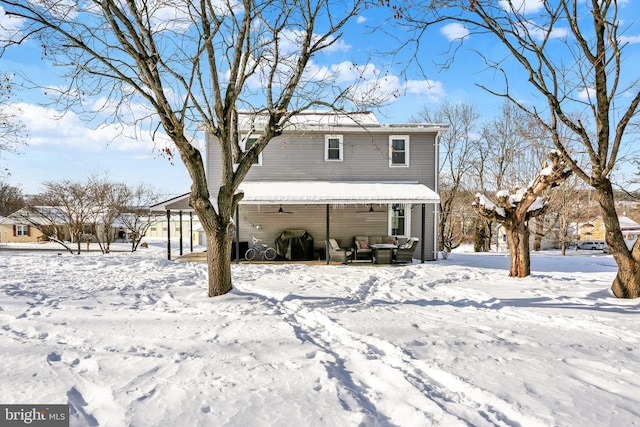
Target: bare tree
108,200
12,131
573,54
514,209
136,216
456,147
70,203
195,71
11,199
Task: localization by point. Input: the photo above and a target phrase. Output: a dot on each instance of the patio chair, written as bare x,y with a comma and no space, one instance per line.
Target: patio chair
404,253
336,253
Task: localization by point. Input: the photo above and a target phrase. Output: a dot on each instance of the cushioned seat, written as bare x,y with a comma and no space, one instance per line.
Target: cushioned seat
336,253
362,245
404,253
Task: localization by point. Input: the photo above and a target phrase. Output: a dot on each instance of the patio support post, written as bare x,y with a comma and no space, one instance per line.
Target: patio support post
180,228
326,241
422,233
238,234
169,234
191,231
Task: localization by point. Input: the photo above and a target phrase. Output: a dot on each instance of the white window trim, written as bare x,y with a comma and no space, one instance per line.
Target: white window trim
407,145
407,221
244,149
22,230
340,148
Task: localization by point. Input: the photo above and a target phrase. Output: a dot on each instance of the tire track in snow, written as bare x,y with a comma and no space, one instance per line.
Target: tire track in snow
380,378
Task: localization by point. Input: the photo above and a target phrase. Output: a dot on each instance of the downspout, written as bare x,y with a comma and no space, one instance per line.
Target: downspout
422,233
169,234
238,234
191,231
180,229
326,242
437,190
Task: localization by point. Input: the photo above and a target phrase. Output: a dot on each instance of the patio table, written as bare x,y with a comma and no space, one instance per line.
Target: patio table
382,253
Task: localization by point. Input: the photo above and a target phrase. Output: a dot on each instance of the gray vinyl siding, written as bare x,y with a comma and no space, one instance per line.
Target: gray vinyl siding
300,156
345,222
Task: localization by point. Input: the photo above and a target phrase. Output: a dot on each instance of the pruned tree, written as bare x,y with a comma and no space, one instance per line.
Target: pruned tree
195,71
504,155
513,209
575,56
456,147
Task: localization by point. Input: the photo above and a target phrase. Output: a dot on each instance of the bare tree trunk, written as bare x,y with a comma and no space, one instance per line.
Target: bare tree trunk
538,233
518,242
627,281
480,235
219,261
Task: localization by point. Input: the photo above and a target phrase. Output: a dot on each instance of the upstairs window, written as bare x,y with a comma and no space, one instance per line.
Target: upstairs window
399,150
248,143
333,148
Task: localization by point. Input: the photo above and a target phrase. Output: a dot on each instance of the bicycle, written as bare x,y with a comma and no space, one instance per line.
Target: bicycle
267,252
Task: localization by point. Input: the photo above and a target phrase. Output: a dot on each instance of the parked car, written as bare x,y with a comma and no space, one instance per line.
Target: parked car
593,245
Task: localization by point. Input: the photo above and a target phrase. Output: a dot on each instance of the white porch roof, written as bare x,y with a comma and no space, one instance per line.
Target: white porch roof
333,192
322,192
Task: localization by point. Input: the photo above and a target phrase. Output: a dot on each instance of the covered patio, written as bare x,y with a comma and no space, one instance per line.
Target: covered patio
327,208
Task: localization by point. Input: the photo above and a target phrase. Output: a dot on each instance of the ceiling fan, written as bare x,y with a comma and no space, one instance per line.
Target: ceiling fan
281,211
370,210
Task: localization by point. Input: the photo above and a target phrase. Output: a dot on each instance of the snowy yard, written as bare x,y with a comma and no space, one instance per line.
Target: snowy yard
132,339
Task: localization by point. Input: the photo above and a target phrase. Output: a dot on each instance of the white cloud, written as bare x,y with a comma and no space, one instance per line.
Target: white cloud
629,39
50,128
433,90
348,71
10,26
361,19
587,94
540,33
454,31
337,46
371,85
522,6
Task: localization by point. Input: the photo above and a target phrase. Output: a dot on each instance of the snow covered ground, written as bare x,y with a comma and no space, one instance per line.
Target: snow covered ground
130,339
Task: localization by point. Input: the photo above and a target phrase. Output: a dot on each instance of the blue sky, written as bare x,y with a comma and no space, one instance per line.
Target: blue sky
67,148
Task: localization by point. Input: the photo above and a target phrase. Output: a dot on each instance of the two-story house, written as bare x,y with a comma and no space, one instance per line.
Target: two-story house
338,176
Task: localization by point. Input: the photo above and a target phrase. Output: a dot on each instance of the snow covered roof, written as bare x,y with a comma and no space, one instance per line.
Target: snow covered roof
319,120
627,224
323,192
316,192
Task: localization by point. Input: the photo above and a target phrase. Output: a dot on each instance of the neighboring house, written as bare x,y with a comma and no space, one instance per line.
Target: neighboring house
595,230
191,228
592,230
338,176
19,228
